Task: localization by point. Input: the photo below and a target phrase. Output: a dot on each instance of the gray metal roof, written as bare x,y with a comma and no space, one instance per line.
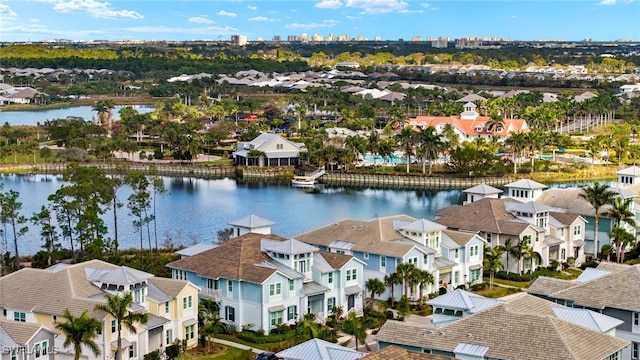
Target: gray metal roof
442,262
312,288
153,321
587,318
420,225
252,222
550,240
195,249
156,294
350,290
282,268
121,275
463,300
631,171
528,207
320,264
591,274
317,349
470,349
342,245
291,247
526,184
483,190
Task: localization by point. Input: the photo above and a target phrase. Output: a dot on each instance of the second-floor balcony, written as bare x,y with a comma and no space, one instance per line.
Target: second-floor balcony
211,293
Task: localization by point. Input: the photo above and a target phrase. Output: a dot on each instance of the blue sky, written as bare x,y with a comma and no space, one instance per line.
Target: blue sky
37,20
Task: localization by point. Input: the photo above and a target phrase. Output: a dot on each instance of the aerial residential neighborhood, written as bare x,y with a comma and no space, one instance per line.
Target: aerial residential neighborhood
319,180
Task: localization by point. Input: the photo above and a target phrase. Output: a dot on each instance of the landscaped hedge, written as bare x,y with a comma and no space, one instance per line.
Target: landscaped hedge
251,336
526,277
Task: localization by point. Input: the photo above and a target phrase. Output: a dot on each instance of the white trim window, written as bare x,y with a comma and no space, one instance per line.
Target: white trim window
275,318
635,350
352,274
275,289
40,349
292,312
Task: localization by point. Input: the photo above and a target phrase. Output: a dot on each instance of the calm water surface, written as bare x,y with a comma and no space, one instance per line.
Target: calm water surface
195,209
85,112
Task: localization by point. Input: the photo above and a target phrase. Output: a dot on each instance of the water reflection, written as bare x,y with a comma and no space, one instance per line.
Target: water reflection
194,210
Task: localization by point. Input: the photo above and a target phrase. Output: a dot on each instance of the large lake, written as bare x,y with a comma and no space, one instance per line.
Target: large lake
32,117
195,209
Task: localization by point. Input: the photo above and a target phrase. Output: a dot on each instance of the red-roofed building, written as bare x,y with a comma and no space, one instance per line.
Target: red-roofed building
470,125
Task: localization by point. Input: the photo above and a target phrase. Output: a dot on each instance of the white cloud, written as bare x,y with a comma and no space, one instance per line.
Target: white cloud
406,11
262,18
226,13
325,23
607,2
200,20
5,10
377,6
95,8
353,17
252,7
329,4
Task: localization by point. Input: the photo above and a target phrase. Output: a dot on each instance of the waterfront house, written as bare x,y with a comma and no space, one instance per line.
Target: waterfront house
268,150
264,280
40,296
469,125
521,328
452,257
568,201
555,236
26,341
612,291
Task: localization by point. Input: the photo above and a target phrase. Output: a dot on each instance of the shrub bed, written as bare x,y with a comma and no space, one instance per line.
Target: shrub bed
251,336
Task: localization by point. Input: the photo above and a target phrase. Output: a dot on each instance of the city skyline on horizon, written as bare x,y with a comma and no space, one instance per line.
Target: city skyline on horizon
385,20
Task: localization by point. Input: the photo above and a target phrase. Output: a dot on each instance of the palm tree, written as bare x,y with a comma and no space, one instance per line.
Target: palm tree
509,249
104,109
357,328
492,261
79,331
375,286
621,238
533,256
620,212
517,142
598,196
495,122
405,272
406,140
391,280
430,146
117,307
424,278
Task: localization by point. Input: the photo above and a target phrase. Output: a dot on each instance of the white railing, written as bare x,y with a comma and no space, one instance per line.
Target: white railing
212,293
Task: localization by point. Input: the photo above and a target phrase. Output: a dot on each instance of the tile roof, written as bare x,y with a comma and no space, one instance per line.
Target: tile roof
606,265
509,331
569,200
374,236
336,261
317,349
547,286
619,290
486,215
19,332
470,127
564,218
235,259
397,353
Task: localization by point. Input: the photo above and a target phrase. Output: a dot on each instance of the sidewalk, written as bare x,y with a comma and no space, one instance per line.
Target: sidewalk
239,346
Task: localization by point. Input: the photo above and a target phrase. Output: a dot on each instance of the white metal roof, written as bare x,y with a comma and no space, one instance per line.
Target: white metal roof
587,318
317,349
591,274
252,222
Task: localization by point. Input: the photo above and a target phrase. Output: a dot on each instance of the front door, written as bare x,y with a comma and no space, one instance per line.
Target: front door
351,302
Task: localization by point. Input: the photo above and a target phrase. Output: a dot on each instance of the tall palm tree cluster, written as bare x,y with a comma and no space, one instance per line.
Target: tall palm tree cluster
406,274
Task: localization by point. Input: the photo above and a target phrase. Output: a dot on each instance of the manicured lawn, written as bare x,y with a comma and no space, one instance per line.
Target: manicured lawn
497,292
518,284
228,353
266,347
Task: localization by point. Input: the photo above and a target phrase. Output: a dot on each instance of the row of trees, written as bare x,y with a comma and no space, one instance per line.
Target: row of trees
75,214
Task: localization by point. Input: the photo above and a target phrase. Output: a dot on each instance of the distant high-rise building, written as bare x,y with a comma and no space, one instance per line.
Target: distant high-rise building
377,38
362,38
304,37
441,42
277,38
316,37
293,38
416,38
239,40
470,42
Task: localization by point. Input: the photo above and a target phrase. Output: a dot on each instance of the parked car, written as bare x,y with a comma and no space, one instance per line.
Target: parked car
267,355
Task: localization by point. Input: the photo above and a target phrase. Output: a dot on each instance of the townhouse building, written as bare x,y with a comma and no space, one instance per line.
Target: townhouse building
264,280
608,290
453,257
26,341
40,296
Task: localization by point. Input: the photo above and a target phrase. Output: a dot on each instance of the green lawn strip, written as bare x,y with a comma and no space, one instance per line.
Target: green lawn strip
517,284
265,347
230,353
497,292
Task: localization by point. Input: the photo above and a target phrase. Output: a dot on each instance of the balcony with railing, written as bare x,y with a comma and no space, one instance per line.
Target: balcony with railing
211,293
